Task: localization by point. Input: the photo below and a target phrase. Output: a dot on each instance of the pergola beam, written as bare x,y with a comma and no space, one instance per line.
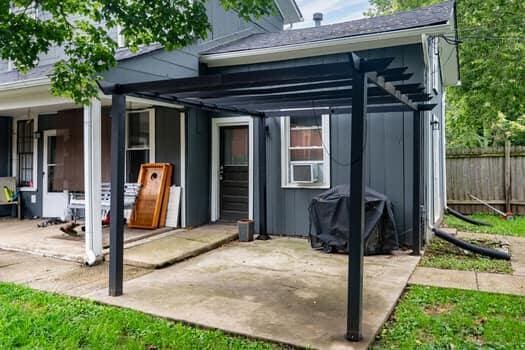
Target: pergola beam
198,104
316,103
391,90
357,207
308,112
225,81
300,93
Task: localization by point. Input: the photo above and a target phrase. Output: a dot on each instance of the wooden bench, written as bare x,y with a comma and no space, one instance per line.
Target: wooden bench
10,183
77,200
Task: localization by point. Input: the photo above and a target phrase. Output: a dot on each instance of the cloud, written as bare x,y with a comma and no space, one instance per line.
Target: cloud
334,10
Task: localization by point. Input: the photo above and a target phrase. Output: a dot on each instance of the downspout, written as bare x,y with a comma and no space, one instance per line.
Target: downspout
92,179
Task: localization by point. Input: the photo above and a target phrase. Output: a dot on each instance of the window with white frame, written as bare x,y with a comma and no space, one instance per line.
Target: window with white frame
140,141
305,151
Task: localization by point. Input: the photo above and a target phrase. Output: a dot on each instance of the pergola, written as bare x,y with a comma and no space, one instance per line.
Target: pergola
357,86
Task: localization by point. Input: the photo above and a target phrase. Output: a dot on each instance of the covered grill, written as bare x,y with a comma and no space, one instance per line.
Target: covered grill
329,222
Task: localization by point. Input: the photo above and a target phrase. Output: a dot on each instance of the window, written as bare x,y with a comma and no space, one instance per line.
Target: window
25,152
305,151
140,141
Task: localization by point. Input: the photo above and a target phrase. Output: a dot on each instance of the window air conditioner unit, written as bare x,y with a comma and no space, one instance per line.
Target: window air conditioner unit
304,173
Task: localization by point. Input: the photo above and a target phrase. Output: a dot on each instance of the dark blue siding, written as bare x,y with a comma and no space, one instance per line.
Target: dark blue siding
198,164
167,139
388,151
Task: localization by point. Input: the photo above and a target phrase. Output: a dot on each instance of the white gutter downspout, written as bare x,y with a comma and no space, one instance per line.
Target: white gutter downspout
92,181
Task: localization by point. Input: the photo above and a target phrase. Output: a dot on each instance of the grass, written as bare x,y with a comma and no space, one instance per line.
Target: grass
439,318
36,320
515,227
444,255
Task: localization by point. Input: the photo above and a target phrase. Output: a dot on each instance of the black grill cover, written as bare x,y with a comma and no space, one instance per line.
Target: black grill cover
329,222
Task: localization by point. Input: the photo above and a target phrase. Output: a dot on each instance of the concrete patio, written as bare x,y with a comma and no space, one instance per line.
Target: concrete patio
26,237
279,290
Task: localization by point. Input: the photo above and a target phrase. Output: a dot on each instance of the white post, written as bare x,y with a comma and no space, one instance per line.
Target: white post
92,181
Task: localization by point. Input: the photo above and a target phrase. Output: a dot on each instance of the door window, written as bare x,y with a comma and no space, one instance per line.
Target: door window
235,146
55,166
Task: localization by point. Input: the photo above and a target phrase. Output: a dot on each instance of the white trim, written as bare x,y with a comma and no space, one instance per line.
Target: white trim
14,147
444,146
93,181
22,84
183,167
285,161
45,165
288,19
51,196
121,39
325,47
217,123
151,147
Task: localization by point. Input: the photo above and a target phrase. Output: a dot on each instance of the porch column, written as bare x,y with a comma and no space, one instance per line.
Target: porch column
357,208
116,235
416,189
92,180
261,172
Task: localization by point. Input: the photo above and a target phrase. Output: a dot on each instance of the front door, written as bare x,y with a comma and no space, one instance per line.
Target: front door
233,173
54,201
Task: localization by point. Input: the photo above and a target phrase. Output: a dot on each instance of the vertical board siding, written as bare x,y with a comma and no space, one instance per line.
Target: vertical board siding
481,172
198,167
388,151
167,139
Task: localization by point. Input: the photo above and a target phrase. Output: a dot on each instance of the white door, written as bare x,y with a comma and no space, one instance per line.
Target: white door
54,199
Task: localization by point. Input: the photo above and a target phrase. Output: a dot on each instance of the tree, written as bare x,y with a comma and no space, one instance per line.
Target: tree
82,29
491,100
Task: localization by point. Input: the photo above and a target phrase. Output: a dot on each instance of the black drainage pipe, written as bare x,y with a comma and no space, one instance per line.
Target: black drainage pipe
466,218
491,253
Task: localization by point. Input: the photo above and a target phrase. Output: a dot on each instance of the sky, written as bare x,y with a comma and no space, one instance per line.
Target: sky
333,10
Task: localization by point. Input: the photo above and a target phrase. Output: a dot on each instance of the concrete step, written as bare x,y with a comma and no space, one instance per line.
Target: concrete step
179,245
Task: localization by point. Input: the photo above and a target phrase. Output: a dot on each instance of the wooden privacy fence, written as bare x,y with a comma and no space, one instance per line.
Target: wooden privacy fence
495,175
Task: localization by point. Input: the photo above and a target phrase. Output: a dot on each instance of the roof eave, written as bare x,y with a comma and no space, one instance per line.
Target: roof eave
324,47
290,18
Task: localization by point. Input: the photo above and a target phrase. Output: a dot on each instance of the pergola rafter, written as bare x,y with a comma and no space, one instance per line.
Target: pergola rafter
357,86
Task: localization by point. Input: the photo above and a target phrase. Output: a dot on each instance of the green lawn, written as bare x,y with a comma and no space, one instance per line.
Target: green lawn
36,320
515,227
443,255
438,318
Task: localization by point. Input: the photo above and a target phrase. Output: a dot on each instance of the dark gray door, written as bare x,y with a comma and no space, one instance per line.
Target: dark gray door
234,176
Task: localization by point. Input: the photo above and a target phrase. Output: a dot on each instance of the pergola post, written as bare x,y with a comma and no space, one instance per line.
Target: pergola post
416,199
92,181
357,210
116,236
261,173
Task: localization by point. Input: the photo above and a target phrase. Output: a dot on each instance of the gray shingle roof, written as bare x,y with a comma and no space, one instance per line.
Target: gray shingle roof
432,15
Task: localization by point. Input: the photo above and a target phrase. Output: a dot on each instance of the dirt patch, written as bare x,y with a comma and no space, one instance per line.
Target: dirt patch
435,310
444,255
